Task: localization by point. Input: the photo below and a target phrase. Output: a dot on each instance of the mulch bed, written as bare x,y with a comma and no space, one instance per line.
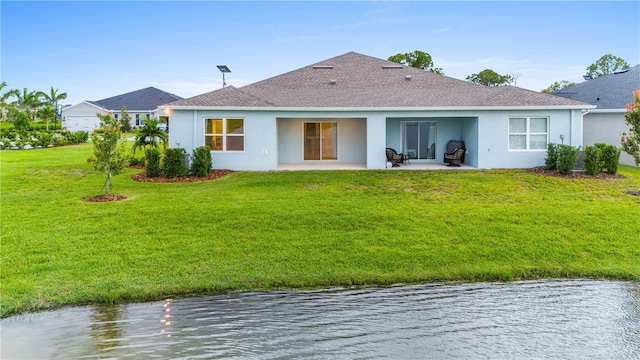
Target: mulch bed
633,192
576,174
213,174
104,198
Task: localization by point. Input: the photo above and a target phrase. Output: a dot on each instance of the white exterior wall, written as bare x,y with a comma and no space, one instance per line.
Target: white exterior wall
493,137
81,117
267,135
607,127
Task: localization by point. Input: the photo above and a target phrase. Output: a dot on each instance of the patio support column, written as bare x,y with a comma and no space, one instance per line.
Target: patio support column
376,142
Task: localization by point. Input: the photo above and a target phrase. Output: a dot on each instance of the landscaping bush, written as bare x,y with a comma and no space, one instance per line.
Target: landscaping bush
77,137
152,162
201,161
592,160
611,158
40,139
174,164
601,157
551,161
137,161
59,140
567,157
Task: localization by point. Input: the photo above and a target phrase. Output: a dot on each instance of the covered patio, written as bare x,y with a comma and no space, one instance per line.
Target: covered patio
363,166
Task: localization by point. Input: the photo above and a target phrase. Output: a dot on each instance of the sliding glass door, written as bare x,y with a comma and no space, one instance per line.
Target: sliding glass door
419,139
320,141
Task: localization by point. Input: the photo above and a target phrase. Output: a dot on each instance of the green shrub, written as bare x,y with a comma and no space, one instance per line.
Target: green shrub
201,161
77,137
152,162
137,161
40,139
602,157
610,159
567,157
21,120
551,161
59,140
174,164
592,160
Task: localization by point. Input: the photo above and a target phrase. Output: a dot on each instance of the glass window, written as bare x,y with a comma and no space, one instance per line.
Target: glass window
528,133
223,134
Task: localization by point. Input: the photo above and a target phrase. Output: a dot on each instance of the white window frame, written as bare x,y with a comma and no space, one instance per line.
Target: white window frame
527,132
224,133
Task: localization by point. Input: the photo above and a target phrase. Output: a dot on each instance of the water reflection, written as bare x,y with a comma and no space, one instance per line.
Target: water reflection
105,329
540,319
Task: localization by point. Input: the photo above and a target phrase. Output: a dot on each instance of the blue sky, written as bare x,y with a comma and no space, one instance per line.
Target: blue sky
95,50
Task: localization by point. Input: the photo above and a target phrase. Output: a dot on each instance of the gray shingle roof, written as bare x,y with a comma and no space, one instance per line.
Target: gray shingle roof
356,80
611,91
145,99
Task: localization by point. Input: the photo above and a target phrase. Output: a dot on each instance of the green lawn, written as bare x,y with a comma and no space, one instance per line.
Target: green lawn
267,230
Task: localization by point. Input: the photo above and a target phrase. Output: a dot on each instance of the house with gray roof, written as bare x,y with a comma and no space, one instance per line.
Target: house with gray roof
345,111
609,94
141,104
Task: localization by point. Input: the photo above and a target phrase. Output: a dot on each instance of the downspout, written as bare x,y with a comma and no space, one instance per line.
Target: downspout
195,126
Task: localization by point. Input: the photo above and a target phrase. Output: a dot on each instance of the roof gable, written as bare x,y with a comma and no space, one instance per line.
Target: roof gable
361,81
144,99
611,91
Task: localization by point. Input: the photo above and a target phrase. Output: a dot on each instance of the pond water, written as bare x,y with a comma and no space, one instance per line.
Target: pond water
572,319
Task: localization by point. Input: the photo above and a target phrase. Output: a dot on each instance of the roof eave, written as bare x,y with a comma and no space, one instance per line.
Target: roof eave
402,109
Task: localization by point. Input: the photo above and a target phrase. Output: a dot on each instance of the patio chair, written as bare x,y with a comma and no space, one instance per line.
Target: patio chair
394,157
455,158
452,145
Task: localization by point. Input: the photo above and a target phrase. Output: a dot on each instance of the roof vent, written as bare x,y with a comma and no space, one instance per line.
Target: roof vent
407,77
332,81
392,66
621,71
322,66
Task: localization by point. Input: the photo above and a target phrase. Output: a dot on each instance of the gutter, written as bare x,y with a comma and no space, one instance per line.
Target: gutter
380,109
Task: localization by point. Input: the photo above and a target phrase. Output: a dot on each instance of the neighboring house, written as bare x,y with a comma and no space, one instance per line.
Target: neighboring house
350,108
141,104
82,116
610,94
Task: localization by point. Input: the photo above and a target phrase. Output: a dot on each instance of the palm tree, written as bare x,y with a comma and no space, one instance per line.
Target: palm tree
149,135
4,96
52,98
29,101
48,113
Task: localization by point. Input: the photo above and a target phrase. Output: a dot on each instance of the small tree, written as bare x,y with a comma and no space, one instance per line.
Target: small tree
110,155
20,119
125,120
149,135
631,142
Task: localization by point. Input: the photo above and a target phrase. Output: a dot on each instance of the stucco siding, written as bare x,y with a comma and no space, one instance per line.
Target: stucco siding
606,128
493,137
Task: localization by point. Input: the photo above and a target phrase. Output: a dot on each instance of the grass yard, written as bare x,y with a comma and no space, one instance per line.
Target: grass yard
306,229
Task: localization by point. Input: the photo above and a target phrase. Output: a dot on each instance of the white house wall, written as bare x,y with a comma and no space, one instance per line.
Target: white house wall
493,137
606,128
487,138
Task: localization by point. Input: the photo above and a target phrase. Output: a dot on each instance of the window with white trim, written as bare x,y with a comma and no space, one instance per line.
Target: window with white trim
528,133
224,134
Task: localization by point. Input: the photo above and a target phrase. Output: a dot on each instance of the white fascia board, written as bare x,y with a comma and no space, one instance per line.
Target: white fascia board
85,102
611,111
390,109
